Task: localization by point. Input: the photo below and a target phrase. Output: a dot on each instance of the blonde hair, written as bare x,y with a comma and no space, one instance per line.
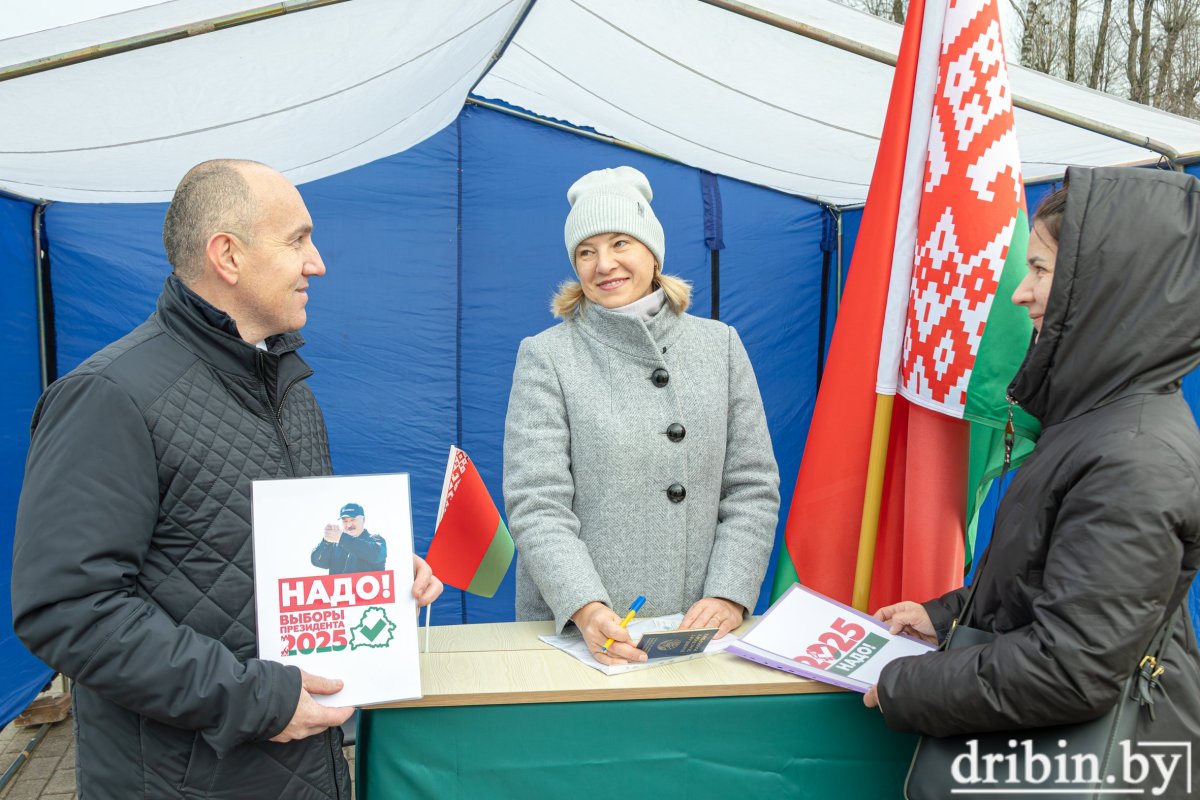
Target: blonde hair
568,301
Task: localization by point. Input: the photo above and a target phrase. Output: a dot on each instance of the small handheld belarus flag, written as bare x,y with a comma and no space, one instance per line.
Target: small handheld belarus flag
471,548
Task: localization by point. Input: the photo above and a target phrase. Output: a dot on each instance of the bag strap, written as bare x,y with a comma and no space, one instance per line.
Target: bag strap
1150,668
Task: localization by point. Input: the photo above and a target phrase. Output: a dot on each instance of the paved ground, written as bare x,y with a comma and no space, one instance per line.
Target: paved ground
50,772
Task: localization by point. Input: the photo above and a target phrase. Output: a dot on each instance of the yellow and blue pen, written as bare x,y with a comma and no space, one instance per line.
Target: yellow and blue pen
633,609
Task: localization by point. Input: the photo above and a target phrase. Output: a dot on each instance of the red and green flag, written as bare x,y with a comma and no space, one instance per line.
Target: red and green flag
907,432
471,548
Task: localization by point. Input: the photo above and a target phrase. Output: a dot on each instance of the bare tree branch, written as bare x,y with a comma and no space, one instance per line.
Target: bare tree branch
1150,54
1072,28
1098,55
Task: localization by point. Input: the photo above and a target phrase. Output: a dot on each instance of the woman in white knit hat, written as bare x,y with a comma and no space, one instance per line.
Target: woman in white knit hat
636,454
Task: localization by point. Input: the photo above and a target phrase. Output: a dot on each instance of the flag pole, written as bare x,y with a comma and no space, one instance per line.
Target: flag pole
868,532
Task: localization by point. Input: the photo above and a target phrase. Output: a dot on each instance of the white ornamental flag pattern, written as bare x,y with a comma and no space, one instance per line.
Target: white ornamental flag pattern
971,197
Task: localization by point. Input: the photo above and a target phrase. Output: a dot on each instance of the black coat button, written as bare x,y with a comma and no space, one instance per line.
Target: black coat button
660,377
676,432
676,493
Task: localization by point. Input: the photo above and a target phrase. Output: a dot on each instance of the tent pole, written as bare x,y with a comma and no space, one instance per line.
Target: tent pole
828,262
163,36
24,756
838,216
39,262
884,57
504,43
11,195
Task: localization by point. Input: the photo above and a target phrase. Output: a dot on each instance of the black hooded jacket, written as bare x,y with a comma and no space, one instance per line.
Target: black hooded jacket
1099,533
132,566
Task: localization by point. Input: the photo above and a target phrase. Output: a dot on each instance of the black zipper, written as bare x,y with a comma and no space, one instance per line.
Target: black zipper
277,413
277,417
337,785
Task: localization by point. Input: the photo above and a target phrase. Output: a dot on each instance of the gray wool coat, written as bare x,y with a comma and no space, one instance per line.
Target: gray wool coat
588,463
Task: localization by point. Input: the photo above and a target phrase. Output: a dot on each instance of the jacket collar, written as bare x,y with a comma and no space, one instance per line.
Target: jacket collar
212,334
627,333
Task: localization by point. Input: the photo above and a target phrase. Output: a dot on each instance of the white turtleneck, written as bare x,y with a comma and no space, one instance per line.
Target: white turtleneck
646,307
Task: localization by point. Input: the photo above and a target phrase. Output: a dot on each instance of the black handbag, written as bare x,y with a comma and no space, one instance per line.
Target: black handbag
1037,758
1037,762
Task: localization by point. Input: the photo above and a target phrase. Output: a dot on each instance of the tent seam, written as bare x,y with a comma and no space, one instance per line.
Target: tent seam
283,110
608,102
458,316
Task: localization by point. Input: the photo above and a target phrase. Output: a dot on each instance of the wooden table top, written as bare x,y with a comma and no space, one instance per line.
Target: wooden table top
505,663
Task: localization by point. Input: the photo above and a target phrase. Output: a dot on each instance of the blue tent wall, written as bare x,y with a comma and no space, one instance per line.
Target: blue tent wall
1191,391
24,675
515,176
106,270
414,330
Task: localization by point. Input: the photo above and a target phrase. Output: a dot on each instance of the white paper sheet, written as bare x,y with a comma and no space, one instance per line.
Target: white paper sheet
574,645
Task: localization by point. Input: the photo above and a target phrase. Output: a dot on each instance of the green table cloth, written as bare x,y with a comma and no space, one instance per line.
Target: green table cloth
824,745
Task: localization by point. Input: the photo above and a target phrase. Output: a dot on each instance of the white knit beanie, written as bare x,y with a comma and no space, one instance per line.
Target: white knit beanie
613,201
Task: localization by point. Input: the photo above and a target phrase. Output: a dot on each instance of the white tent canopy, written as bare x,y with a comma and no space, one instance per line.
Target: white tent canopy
336,86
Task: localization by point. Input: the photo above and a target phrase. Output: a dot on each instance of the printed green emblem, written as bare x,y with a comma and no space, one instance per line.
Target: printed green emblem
373,630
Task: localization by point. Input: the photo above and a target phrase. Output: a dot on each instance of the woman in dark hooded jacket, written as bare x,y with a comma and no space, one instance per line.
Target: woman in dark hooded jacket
1098,537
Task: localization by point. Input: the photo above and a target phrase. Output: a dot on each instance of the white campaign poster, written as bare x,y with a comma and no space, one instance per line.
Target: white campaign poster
809,634
323,601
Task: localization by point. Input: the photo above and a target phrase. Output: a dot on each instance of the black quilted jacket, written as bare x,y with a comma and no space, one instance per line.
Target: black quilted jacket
1099,533
132,567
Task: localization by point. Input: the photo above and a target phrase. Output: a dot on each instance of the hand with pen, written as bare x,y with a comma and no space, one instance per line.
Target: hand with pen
598,623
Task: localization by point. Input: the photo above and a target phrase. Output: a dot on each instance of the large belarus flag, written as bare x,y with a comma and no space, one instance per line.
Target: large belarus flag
471,548
907,429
